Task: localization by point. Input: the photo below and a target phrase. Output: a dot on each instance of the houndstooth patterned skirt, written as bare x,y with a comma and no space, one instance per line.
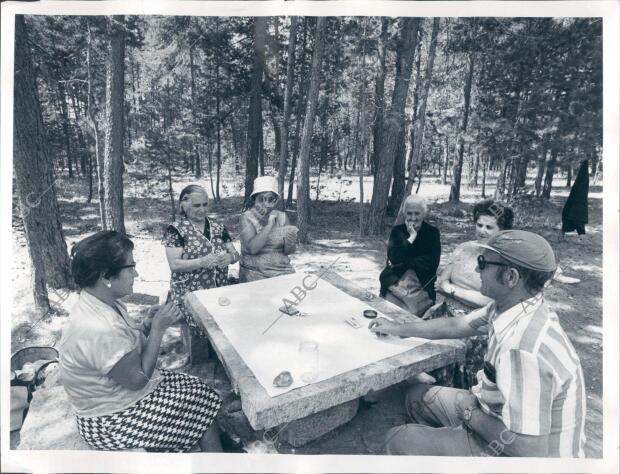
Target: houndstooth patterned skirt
172,418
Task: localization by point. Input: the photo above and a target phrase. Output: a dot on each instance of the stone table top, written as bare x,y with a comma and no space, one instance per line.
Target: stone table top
265,412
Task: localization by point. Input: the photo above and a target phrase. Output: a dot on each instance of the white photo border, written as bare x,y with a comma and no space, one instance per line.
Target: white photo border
96,461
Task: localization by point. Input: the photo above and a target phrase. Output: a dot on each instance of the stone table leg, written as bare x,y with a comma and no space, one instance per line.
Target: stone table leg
302,431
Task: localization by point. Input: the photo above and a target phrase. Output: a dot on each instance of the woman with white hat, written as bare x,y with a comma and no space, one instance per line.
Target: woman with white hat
267,238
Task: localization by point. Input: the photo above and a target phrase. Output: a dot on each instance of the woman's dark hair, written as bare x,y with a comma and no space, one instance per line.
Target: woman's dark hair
187,190
99,255
503,214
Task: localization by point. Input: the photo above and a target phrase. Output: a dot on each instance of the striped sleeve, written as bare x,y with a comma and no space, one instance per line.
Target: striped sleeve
528,386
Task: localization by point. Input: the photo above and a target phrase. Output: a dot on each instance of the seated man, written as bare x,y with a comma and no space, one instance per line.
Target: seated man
530,398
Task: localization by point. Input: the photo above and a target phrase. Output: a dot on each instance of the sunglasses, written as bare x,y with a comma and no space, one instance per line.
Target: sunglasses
482,263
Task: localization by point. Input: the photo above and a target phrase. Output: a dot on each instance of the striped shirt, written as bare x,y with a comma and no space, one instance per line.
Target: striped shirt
532,378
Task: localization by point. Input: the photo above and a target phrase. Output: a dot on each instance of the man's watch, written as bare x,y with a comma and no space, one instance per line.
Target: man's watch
467,412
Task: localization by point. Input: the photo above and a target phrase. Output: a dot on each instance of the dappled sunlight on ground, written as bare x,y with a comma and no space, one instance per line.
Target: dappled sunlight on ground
587,268
335,241
586,340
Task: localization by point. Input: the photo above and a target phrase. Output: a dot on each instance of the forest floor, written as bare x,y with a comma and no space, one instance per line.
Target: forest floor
335,234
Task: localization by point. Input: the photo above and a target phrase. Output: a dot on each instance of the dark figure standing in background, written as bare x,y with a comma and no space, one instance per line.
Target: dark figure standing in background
575,212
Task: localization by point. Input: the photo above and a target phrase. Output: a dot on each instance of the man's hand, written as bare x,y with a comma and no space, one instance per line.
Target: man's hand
432,311
382,326
465,400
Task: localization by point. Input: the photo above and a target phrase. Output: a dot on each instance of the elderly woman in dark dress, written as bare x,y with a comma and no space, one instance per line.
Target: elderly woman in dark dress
108,362
199,250
414,250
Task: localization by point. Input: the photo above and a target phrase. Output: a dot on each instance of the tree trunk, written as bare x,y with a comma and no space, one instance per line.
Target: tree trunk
540,172
500,186
196,168
455,187
446,162
301,105
236,145
485,166
210,164
94,126
397,193
34,177
569,175
362,80
593,163
597,172
66,129
218,125
417,131
288,88
90,178
377,132
416,95
277,141
509,178
261,149
255,125
113,217
549,172
476,169
291,179
166,114
394,123
303,174
83,151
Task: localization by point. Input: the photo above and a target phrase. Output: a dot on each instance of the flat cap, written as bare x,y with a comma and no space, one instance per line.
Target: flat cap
523,248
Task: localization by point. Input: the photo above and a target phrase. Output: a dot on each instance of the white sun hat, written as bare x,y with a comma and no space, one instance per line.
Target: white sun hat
264,184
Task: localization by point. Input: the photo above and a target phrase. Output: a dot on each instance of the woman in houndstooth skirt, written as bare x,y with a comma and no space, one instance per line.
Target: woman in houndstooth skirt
108,363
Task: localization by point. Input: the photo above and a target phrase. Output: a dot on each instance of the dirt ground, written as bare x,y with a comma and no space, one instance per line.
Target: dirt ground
335,234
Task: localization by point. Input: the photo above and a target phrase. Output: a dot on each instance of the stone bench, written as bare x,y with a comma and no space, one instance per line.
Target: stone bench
50,423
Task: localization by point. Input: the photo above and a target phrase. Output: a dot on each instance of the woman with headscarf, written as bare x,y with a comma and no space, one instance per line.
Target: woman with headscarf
267,238
198,250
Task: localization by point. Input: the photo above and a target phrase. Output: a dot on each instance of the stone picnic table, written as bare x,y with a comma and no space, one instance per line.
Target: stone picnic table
307,412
